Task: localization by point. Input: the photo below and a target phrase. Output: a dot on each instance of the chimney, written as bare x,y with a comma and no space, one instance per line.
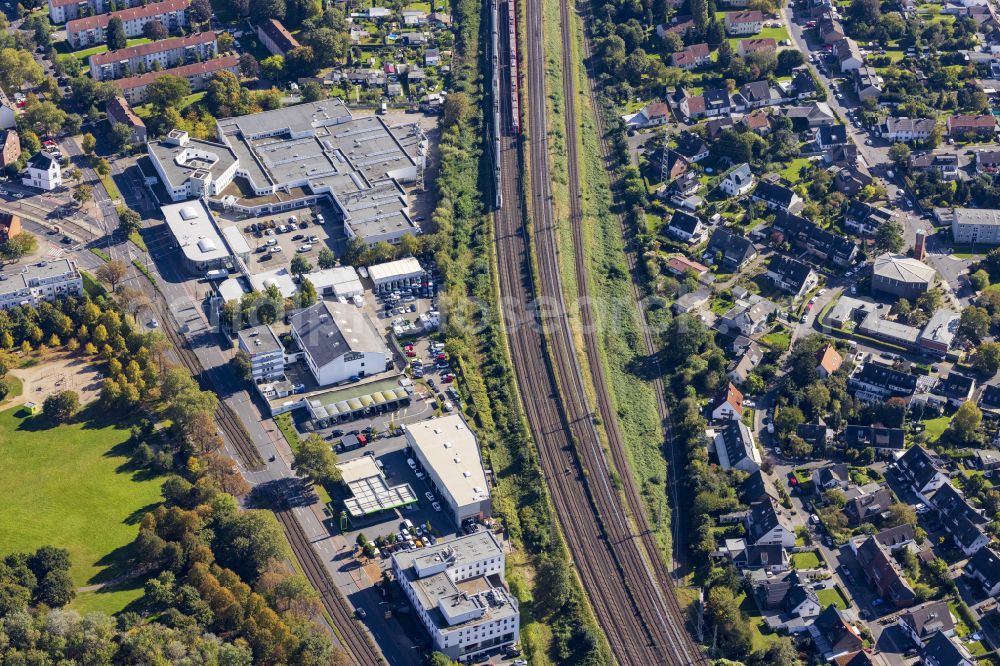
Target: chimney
920,246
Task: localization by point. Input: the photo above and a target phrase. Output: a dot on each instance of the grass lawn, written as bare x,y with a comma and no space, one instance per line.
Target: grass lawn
934,427
806,560
16,388
831,595
108,600
791,172
94,50
110,187
68,486
145,110
760,640
137,239
778,340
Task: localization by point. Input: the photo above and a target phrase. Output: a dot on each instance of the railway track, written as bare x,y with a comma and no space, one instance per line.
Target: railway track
661,578
640,617
663,410
225,418
351,634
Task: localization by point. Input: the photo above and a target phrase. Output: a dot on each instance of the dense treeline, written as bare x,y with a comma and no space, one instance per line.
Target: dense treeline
220,591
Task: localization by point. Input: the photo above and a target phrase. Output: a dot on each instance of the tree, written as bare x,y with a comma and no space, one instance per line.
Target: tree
300,265
113,273
18,67
167,90
244,368
226,97
699,13
154,30
979,280
974,322
326,258
273,67
313,92
316,460
60,407
265,9
901,514
987,359
300,61
56,589
43,117
89,143
889,237
456,109
899,153
788,59
83,193
129,221
788,419
249,67
116,34
200,10
17,246
121,136
966,421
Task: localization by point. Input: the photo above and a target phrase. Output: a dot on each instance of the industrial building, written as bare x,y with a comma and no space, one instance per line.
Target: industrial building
267,354
338,342
448,451
395,274
341,282
458,591
357,400
142,58
194,230
369,491
44,281
299,156
91,30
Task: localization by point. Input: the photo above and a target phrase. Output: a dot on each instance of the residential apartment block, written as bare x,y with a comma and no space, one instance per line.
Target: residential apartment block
972,225
458,592
267,354
92,30
164,54
61,11
275,37
44,281
198,74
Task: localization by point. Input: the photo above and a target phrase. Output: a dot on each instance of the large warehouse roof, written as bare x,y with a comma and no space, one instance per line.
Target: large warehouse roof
450,448
191,224
901,268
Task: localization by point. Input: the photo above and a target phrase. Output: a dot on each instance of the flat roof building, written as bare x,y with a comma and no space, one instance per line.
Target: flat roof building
190,168
297,155
267,354
340,282
44,281
458,591
193,227
369,491
449,452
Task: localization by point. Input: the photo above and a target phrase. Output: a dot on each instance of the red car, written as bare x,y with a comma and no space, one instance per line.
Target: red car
410,353
440,357
408,347
448,379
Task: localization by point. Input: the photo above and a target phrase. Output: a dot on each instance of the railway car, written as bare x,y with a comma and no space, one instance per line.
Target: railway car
515,111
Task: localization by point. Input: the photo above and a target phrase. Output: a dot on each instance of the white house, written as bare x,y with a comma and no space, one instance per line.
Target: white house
339,342
736,449
728,405
744,23
738,181
43,172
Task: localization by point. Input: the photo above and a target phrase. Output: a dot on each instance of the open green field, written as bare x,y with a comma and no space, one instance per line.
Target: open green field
934,427
791,171
805,560
831,595
69,486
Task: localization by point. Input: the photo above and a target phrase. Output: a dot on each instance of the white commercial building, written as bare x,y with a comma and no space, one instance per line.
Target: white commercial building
458,591
341,282
190,168
43,171
369,491
394,274
339,342
267,354
44,281
301,155
194,230
448,451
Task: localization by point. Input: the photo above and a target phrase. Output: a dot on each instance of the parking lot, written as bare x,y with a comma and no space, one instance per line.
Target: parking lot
275,239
